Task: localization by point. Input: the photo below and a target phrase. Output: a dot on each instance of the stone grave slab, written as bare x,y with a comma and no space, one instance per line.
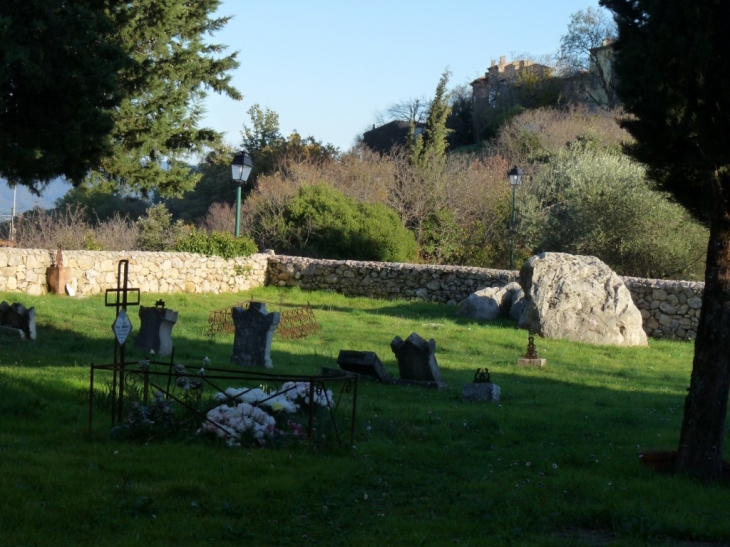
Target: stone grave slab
417,361
481,389
254,330
17,320
364,363
155,331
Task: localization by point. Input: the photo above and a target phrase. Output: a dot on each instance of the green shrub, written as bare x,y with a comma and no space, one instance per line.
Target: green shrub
322,222
223,244
156,230
597,203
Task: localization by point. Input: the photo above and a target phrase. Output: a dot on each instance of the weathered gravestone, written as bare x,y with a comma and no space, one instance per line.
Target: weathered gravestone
155,331
254,330
417,361
365,363
482,388
578,298
17,320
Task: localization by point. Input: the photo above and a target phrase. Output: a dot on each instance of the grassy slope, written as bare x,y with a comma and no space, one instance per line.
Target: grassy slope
554,462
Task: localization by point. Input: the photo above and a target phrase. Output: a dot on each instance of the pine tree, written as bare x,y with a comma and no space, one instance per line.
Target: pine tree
674,78
58,86
156,126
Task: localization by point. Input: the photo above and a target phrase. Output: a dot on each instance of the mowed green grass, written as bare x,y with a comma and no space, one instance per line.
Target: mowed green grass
555,462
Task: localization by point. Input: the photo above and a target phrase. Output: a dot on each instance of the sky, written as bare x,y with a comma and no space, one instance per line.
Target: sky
327,67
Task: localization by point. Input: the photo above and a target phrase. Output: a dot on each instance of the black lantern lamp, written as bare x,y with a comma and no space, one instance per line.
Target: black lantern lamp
240,170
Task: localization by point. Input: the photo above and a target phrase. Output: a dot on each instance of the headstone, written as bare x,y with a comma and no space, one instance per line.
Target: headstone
417,360
365,363
578,298
482,388
254,330
155,331
17,320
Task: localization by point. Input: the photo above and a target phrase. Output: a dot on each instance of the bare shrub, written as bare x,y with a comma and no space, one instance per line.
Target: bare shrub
118,233
221,217
56,229
537,134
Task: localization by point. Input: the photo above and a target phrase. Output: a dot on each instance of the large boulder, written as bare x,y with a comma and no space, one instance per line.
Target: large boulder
490,303
578,298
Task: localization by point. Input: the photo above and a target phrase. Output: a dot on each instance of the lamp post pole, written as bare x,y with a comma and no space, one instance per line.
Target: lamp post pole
238,211
515,178
240,170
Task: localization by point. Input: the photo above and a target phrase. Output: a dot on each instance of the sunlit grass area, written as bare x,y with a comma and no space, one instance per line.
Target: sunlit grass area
554,462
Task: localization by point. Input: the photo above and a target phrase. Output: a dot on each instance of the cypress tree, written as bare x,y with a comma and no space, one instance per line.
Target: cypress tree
673,65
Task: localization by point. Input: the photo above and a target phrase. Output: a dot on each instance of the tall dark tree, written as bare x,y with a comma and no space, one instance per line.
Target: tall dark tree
58,86
674,73
157,124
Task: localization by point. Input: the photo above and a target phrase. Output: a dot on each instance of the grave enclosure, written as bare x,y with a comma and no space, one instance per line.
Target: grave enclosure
670,309
171,381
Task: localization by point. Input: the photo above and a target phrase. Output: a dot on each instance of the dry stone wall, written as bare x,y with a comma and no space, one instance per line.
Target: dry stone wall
92,272
670,309
445,284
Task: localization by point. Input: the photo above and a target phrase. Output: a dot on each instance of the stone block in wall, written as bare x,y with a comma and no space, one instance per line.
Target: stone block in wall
694,302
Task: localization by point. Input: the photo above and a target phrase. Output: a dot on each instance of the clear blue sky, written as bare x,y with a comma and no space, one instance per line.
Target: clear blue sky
327,66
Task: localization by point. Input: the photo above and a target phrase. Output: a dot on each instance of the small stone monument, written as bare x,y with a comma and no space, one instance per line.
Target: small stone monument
58,275
417,361
531,358
155,331
364,363
482,388
17,320
254,329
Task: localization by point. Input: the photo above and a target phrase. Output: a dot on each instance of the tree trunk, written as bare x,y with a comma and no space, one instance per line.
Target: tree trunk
705,408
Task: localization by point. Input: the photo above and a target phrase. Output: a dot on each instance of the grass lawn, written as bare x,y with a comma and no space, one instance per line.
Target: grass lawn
555,462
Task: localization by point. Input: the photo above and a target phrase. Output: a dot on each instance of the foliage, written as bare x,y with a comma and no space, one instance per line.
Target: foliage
157,232
321,222
58,88
223,244
68,228
431,145
102,203
591,203
262,140
578,58
674,74
156,125
215,186
577,423
271,152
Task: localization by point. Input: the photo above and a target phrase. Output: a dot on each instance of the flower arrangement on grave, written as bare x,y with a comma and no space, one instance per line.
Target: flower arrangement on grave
260,415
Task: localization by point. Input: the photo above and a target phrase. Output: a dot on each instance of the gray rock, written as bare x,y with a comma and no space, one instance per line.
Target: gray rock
578,298
490,303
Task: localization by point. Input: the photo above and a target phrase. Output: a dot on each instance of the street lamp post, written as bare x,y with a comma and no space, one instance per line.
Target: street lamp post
240,170
515,178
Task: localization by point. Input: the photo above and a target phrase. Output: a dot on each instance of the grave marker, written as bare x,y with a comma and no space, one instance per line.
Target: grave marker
417,360
254,330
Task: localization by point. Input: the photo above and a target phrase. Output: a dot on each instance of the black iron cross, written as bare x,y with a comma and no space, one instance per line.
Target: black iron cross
121,301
